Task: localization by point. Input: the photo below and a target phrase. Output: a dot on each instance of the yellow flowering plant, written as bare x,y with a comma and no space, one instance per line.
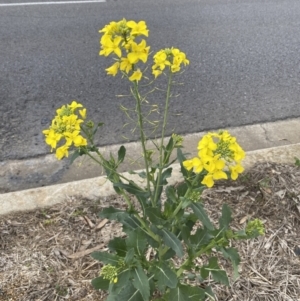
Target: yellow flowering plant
175,227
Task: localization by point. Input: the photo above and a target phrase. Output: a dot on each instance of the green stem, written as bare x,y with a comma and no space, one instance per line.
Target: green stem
186,194
162,139
142,134
147,229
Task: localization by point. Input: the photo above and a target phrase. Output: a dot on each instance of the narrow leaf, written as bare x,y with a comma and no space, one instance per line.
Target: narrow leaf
225,219
233,255
121,154
200,238
129,258
154,215
201,214
141,282
172,241
106,258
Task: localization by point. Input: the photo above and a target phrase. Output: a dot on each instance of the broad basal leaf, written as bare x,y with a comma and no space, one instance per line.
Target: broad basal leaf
137,240
165,276
100,284
118,245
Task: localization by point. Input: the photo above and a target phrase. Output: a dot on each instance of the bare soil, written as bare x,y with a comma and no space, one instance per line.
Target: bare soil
45,253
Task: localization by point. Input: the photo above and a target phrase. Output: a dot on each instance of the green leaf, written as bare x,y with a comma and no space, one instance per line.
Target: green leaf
130,222
185,233
201,214
124,279
100,284
164,276
234,256
155,216
225,219
182,158
113,213
121,154
187,293
130,293
165,174
178,294
141,282
169,254
172,241
122,216
182,189
217,274
129,258
75,155
171,194
118,245
200,238
137,239
209,293
106,258
132,189
169,208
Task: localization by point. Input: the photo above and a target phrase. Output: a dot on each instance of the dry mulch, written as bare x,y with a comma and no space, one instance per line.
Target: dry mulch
45,254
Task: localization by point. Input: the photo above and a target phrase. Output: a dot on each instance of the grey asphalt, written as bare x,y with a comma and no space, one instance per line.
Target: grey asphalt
244,67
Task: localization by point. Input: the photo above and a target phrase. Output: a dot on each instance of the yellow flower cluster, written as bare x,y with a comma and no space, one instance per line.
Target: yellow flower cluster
119,39
168,57
217,152
66,125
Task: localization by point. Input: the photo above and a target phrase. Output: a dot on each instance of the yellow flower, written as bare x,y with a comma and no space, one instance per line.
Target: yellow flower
197,164
208,181
139,28
71,136
72,123
207,142
188,164
113,70
52,137
82,113
156,73
110,46
160,60
79,141
62,152
125,64
235,171
138,52
137,75
74,105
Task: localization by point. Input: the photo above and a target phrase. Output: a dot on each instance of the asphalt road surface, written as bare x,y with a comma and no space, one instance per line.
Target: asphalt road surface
244,65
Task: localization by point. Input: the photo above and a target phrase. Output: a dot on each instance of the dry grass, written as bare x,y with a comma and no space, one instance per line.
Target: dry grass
44,254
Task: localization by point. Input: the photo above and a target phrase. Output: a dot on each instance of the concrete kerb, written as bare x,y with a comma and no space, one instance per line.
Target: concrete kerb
96,188
262,142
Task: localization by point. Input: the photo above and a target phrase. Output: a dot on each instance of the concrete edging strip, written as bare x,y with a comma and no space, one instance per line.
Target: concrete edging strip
100,187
